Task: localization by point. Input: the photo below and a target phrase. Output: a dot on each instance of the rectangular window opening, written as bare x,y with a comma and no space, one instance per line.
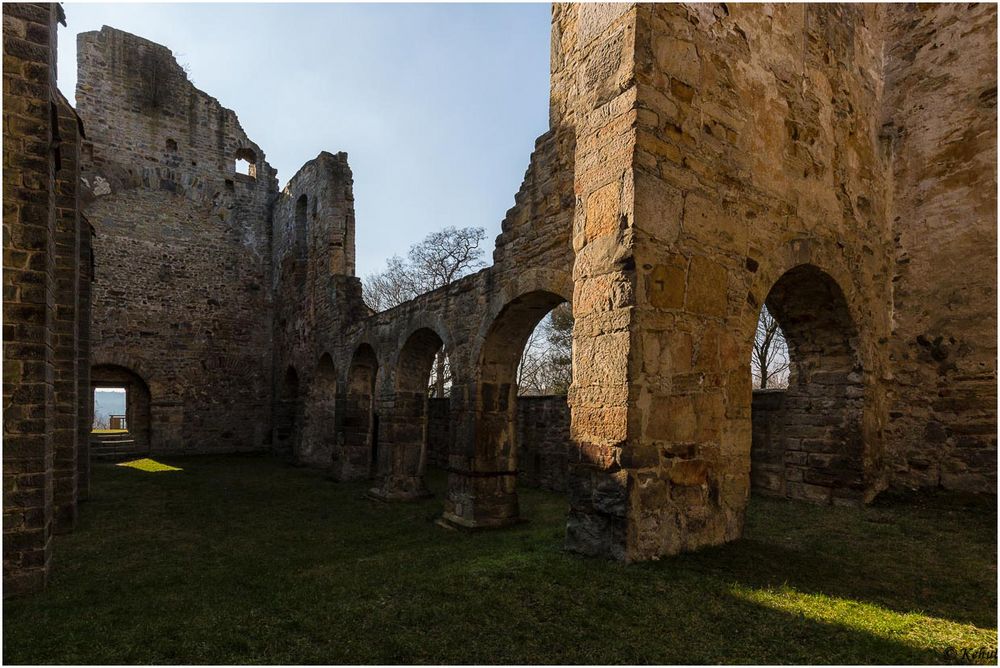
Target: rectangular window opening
110,414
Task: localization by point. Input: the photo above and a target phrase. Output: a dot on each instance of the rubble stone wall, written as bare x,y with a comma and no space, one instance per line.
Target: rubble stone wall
939,128
181,247
543,434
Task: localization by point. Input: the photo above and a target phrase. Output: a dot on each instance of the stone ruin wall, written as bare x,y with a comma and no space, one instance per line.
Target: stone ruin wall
940,125
181,246
746,140
316,294
702,160
738,143
45,302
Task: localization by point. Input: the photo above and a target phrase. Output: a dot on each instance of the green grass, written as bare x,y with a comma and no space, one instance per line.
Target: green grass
245,560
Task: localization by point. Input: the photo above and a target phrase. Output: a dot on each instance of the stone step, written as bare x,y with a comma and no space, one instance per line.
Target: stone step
119,449
111,438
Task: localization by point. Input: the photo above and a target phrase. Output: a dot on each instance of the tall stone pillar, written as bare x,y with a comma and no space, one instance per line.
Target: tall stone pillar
66,426
29,125
597,44
711,161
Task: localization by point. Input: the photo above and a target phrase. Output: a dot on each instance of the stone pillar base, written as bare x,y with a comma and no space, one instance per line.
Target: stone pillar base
400,488
351,464
481,500
452,521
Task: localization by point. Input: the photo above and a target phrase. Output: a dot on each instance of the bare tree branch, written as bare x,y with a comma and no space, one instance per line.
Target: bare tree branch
440,259
769,363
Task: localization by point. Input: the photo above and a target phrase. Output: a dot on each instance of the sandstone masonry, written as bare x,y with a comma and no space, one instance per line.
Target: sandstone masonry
46,301
834,162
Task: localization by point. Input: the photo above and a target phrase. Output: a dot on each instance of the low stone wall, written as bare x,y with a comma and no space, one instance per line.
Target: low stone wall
542,437
438,429
767,449
798,451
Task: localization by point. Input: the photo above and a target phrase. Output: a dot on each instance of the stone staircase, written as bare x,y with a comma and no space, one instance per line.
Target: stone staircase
114,446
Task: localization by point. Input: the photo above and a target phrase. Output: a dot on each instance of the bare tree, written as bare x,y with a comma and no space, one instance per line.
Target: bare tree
445,256
769,361
547,361
391,287
529,371
440,259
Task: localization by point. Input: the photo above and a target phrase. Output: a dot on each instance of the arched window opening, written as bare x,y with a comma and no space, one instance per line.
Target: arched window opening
807,436
546,367
287,418
246,162
542,416
494,460
439,385
403,457
319,424
355,459
769,360
171,145
121,412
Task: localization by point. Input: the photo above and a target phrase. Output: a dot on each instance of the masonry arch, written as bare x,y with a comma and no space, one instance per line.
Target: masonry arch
319,427
403,459
288,415
355,458
126,432
808,440
484,493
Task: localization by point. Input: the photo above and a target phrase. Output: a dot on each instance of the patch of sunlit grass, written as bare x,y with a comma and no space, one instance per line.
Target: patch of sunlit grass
149,465
915,629
109,431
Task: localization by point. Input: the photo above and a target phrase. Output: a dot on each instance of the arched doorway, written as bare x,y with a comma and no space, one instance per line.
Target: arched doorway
121,412
319,426
403,459
485,494
287,415
807,439
355,458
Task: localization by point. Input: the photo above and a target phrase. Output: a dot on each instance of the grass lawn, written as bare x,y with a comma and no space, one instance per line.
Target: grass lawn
247,560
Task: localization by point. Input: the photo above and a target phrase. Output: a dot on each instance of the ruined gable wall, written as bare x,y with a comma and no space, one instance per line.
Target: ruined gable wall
182,252
940,125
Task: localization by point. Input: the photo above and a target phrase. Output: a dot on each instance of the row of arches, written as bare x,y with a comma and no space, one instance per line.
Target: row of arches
372,423
369,419
812,447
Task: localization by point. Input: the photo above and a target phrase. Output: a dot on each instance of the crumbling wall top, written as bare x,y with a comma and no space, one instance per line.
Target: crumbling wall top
160,117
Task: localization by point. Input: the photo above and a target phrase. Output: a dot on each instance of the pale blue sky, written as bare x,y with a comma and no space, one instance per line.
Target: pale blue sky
437,105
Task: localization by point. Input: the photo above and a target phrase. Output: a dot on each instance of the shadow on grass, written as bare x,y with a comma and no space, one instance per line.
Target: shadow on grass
935,557
245,560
